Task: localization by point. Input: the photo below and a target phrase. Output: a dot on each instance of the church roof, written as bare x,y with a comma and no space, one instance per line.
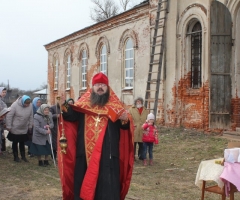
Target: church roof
43,91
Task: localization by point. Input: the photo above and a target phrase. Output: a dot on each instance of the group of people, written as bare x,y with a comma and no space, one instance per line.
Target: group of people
101,137
145,132
29,124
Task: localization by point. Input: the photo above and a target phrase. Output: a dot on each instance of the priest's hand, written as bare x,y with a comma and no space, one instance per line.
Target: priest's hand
124,116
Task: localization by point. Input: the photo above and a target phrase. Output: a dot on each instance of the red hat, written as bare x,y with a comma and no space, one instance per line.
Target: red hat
100,78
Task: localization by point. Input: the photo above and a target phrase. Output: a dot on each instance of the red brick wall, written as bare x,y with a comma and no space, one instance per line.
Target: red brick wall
190,107
235,107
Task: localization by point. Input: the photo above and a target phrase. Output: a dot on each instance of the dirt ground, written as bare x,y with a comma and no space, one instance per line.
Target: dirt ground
172,177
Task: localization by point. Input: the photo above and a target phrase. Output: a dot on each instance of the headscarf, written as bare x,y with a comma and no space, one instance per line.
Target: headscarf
34,103
70,100
24,98
1,89
40,111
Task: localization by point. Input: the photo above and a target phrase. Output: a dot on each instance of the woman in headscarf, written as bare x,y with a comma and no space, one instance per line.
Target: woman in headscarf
3,92
70,101
41,129
3,112
18,123
36,103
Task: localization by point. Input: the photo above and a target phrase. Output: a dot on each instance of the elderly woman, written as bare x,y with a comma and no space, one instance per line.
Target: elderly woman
70,101
3,92
36,103
2,122
40,146
18,123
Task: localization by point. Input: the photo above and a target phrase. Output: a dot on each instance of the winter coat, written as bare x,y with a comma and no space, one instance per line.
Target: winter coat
149,132
138,120
40,135
2,104
2,122
55,110
19,119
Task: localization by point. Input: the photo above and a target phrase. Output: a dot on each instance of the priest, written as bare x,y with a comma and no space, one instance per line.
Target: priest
98,161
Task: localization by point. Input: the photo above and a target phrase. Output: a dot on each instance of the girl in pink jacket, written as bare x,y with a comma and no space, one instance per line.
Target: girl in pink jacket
148,138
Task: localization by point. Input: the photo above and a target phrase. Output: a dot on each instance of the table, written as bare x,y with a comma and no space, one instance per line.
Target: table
208,170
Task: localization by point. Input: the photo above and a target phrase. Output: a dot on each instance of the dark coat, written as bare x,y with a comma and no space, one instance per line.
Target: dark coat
55,110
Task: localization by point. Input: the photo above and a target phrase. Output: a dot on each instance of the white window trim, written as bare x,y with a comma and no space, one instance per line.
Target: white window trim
127,88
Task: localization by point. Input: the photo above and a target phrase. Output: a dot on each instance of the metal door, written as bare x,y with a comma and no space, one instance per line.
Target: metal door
220,80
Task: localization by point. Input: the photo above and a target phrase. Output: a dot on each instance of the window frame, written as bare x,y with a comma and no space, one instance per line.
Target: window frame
130,69
83,74
56,71
103,63
68,72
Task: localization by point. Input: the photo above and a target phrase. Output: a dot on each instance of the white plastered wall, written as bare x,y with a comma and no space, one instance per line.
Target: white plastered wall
234,8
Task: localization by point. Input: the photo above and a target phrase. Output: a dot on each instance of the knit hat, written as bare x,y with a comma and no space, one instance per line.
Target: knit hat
100,78
150,116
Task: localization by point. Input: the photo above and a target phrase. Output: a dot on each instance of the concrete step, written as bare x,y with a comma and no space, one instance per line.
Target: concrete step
231,137
232,133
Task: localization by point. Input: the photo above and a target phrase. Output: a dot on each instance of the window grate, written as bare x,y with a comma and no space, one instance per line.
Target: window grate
196,56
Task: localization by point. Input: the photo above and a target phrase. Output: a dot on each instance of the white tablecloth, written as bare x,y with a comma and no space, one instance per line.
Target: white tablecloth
232,155
208,170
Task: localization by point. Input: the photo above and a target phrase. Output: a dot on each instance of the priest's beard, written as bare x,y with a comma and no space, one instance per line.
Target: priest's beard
99,100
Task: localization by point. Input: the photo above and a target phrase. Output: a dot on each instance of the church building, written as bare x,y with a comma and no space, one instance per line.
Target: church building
199,83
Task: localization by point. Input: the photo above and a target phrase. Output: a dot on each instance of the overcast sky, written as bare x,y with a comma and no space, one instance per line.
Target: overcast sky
27,25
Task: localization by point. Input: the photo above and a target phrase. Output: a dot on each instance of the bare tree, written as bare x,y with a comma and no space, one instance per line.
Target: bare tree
124,4
103,10
43,85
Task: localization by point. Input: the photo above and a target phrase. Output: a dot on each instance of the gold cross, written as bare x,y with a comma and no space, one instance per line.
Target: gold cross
97,120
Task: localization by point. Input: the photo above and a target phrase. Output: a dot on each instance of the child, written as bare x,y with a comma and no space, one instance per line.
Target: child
148,138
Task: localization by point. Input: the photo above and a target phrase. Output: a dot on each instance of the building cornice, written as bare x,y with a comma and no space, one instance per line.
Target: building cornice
118,20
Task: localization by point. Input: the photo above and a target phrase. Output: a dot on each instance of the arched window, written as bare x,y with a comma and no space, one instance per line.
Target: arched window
68,74
196,56
103,60
129,64
56,74
84,69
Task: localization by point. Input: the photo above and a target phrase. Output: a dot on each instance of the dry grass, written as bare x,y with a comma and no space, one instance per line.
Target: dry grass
172,177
